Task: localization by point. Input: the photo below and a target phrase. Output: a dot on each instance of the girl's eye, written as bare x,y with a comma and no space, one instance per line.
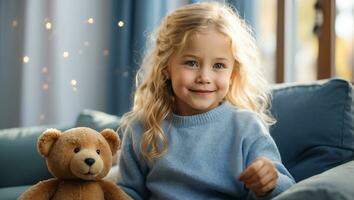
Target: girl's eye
219,66
77,149
191,63
98,151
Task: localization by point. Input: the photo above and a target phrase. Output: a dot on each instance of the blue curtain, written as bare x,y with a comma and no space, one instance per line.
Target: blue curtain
246,9
135,20
11,45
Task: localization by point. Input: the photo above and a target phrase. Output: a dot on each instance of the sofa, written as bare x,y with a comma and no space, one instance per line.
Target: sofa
314,133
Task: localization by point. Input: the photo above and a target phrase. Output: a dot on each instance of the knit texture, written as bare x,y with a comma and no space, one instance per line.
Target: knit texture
206,155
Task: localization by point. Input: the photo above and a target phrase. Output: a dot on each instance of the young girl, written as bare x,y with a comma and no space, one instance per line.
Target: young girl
199,125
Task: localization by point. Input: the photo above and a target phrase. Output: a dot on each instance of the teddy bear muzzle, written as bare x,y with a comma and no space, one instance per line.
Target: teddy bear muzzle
86,165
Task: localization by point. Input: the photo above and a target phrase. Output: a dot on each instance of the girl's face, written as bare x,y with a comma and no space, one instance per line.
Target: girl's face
201,72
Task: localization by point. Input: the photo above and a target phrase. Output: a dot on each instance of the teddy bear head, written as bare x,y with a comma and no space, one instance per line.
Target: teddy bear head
78,153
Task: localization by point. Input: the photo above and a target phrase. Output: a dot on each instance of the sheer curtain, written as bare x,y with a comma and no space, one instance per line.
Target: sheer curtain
54,60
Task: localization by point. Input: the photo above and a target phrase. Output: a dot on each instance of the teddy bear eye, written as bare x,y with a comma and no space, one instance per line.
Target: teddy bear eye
77,149
98,151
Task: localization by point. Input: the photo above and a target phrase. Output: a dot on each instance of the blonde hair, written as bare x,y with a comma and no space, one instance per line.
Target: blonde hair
153,99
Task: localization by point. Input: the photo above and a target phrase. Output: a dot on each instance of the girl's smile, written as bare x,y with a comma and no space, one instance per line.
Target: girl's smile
201,91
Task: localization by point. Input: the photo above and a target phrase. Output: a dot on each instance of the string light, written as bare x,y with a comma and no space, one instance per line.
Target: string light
65,54
14,23
48,25
126,74
105,52
86,43
25,59
74,84
45,86
44,70
120,24
91,20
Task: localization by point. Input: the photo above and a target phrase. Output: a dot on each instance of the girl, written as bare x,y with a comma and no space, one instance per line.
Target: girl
199,125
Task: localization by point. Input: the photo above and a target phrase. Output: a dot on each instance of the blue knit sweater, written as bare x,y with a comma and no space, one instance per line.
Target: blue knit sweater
206,154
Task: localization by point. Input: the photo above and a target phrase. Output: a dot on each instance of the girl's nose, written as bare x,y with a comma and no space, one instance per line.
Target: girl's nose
203,76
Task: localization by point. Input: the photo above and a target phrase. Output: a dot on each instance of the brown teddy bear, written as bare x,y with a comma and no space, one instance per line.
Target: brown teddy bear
79,158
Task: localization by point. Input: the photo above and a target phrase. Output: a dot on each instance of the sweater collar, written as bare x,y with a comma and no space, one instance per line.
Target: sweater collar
198,119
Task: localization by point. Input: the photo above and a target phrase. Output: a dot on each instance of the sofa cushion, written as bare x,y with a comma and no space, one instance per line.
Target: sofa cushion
12,193
314,130
336,183
97,120
21,163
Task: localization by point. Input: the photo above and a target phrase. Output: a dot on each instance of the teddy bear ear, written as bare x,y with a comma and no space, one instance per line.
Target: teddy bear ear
46,141
112,138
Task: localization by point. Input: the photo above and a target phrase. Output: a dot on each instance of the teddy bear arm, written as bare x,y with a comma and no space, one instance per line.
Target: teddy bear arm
43,190
113,192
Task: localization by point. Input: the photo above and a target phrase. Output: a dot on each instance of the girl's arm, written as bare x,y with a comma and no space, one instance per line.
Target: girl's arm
262,152
260,177
132,171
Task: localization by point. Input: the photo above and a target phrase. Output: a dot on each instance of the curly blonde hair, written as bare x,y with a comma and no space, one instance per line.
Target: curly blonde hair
153,99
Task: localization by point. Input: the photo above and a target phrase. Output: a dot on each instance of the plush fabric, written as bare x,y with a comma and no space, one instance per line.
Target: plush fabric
334,184
315,130
78,159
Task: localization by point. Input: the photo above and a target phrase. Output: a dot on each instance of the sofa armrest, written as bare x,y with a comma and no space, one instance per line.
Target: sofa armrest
21,163
336,183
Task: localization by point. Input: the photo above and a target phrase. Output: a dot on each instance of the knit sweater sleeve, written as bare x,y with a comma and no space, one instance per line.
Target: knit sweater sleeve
132,170
261,144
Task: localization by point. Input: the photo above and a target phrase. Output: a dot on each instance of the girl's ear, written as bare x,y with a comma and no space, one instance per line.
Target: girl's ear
233,77
166,73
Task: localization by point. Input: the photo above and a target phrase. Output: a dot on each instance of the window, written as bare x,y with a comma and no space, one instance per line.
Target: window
306,46
344,30
314,40
266,36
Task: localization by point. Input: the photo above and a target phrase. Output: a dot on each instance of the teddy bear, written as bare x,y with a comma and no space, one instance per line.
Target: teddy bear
78,159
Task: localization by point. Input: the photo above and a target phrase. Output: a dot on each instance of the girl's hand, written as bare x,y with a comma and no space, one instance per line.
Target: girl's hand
260,177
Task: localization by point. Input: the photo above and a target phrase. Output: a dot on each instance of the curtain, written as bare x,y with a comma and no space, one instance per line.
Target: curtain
11,45
54,60
135,20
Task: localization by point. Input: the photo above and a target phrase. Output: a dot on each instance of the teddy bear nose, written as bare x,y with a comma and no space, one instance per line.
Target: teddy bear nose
89,161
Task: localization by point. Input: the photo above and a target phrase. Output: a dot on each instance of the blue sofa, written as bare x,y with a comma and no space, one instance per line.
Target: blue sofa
314,134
